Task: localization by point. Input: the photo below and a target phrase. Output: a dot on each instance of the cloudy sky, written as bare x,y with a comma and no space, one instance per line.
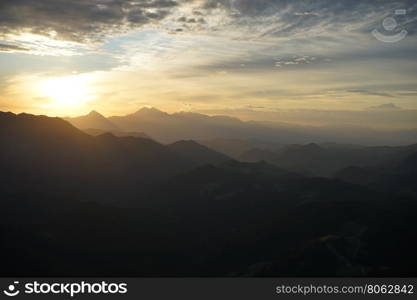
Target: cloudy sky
318,62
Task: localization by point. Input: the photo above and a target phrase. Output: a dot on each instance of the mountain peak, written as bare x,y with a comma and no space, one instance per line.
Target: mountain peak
94,113
93,120
150,111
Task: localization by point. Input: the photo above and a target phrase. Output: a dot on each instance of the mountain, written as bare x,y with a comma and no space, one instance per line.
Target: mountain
315,160
93,120
51,152
236,147
97,132
124,206
310,159
395,176
256,154
150,113
169,128
259,220
109,165
197,153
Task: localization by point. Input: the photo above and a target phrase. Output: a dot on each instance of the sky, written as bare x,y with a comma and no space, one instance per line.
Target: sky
299,61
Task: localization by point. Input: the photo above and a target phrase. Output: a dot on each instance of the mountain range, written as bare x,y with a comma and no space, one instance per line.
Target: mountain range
58,151
93,120
316,160
169,128
107,205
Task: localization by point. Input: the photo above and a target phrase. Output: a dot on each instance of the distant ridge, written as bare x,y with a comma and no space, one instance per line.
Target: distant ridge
197,153
93,120
97,132
171,127
147,112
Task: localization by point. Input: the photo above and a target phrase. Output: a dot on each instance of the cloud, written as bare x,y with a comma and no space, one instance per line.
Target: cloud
256,54
92,20
303,19
79,21
386,106
11,48
88,22
371,93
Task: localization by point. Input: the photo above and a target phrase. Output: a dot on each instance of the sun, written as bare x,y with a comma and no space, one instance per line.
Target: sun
68,92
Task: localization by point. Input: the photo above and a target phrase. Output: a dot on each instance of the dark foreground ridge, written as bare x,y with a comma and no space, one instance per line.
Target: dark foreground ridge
74,204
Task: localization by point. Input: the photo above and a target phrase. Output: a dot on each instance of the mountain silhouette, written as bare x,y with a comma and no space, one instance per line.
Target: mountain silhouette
93,120
169,128
53,152
128,206
399,175
96,132
150,113
237,147
197,153
315,160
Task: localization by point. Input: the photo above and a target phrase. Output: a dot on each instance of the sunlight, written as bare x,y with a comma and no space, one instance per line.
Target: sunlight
67,92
